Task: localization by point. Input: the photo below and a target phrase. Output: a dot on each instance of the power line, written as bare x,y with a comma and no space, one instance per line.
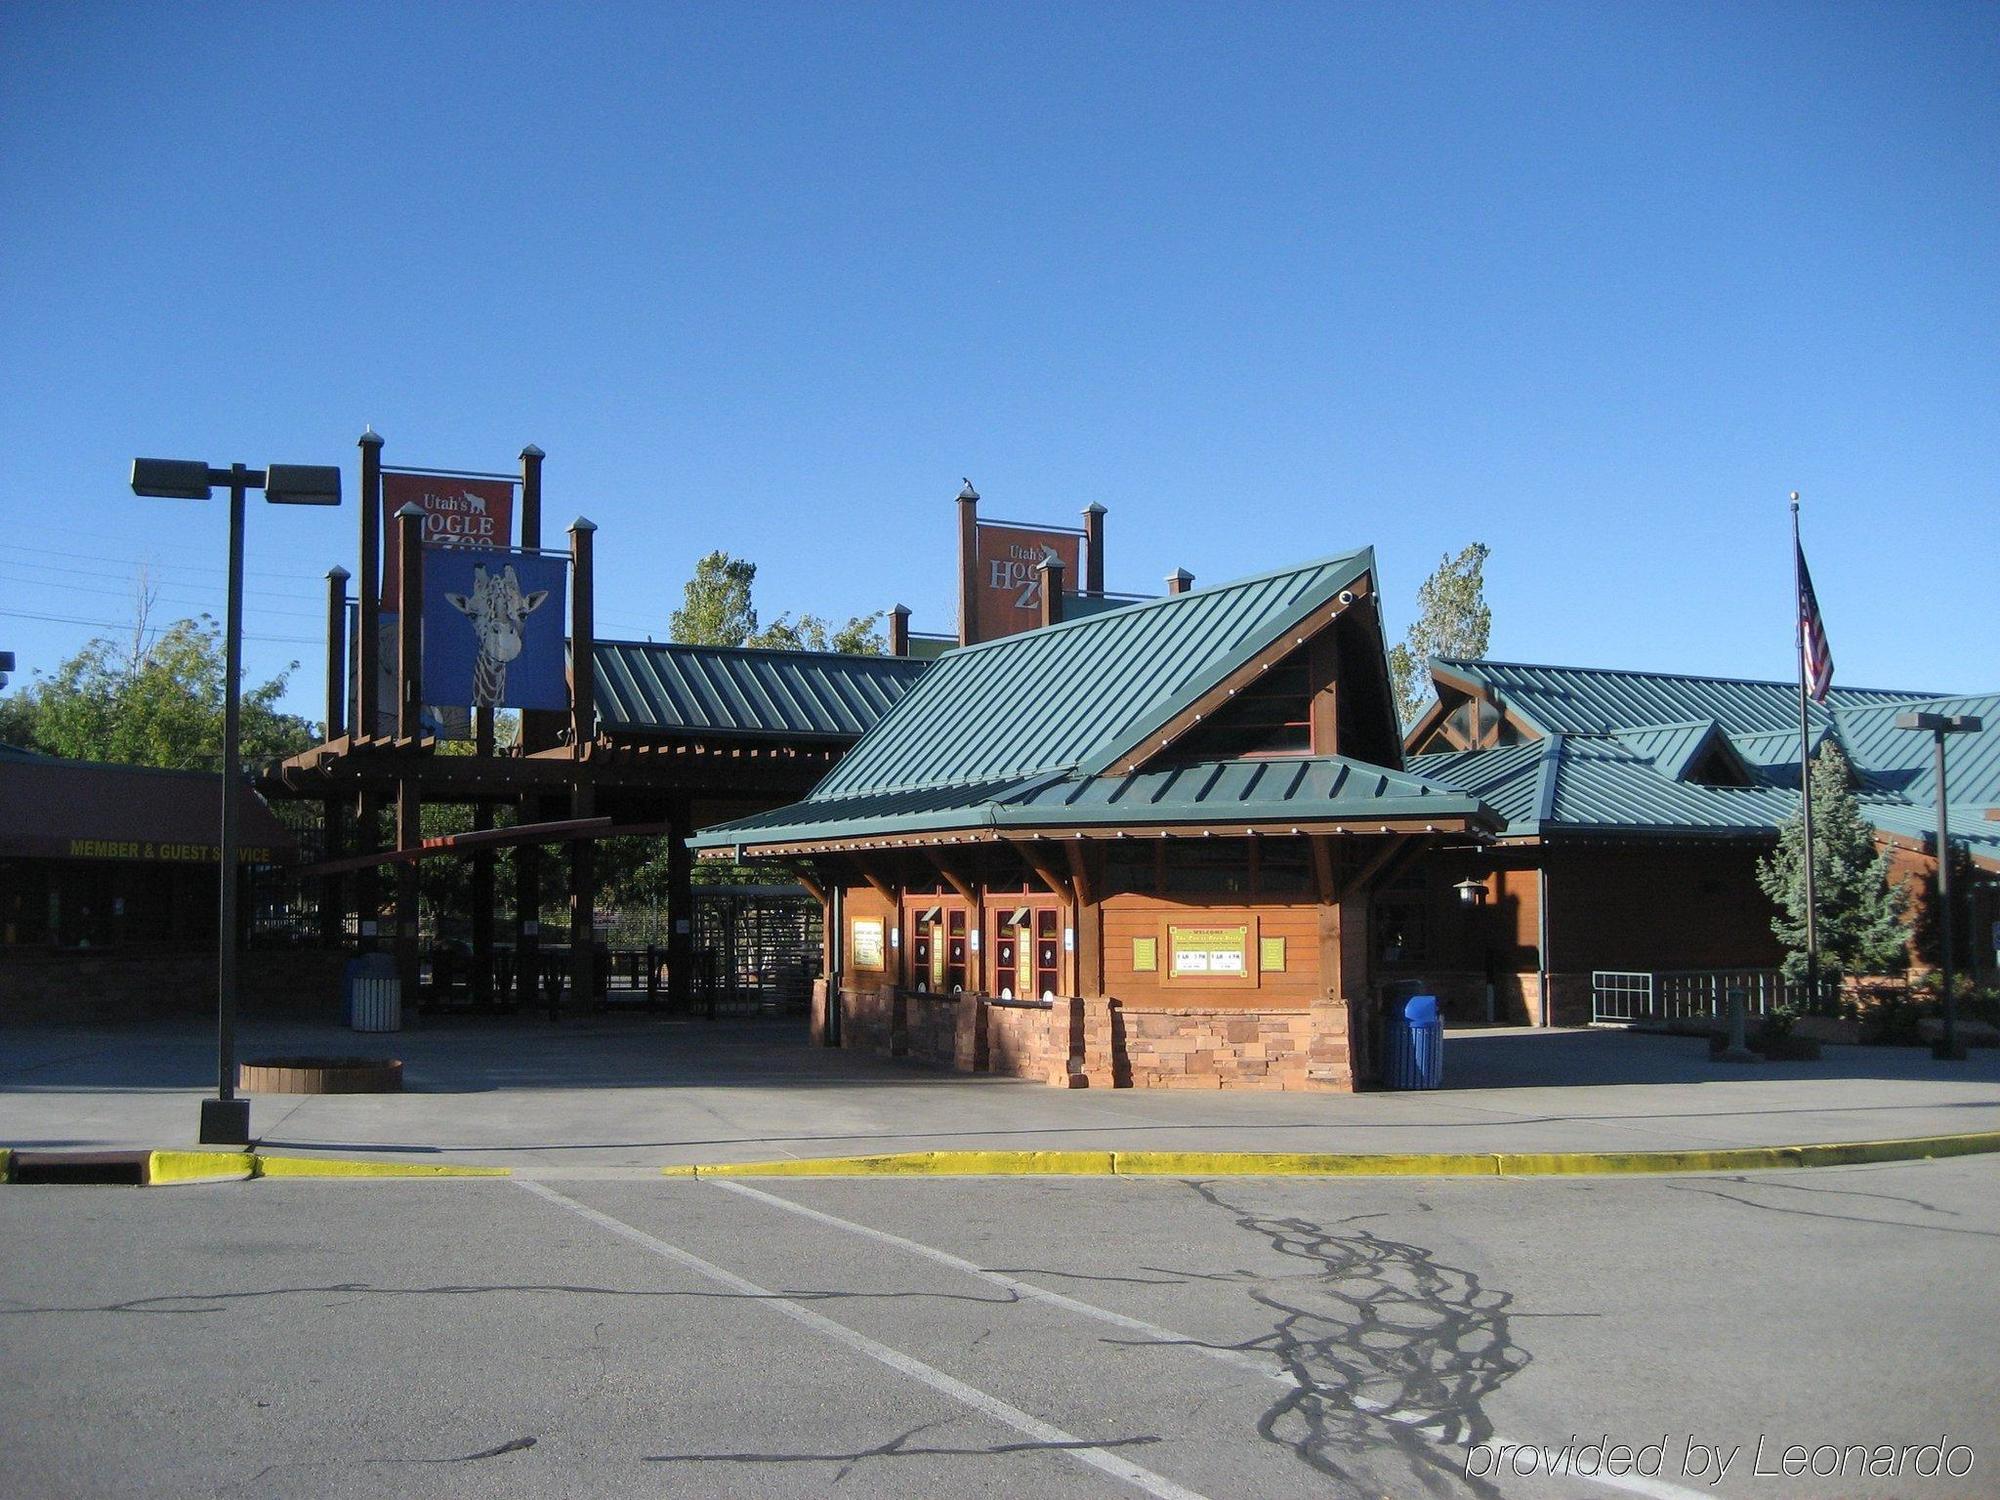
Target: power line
141,570
22,614
142,562
175,600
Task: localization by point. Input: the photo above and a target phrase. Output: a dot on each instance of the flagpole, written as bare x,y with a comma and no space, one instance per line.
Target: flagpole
1805,761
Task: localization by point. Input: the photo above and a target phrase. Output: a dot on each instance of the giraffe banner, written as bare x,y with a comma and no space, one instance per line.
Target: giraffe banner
493,628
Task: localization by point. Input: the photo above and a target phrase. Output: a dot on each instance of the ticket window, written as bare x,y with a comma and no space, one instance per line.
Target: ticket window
1014,954
926,950
955,959
1048,954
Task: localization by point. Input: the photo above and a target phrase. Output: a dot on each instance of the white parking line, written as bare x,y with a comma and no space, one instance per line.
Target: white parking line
1267,1366
966,1395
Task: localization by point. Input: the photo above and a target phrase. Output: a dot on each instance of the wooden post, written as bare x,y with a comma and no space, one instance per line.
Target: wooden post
537,733
1323,669
336,652
409,725
367,881
540,727
368,649
680,906
1093,548
527,909
1050,573
482,873
899,630
968,565
332,907
583,730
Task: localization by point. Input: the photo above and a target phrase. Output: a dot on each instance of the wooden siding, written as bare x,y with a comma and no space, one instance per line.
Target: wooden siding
1126,917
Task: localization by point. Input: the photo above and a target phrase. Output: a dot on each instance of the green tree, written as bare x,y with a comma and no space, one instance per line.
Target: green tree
17,721
1860,914
155,702
1452,620
717,610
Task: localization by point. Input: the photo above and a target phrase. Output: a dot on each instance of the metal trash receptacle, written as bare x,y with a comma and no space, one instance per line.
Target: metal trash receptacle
1413,1047
374,993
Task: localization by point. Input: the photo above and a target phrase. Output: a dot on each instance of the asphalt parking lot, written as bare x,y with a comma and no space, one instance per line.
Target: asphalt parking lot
594,1335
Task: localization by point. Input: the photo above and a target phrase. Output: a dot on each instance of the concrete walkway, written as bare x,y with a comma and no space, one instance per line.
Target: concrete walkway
610,1095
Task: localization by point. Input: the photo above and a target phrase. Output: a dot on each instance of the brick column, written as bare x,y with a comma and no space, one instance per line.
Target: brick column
1082,1038
820,1001
896,1005
968,1042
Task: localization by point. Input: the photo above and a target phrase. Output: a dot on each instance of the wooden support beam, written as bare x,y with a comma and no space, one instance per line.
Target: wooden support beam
1377,864
1324,881
964,889
1044,870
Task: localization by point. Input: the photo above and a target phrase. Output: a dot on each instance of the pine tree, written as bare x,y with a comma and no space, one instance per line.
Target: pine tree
1860,913
1452,620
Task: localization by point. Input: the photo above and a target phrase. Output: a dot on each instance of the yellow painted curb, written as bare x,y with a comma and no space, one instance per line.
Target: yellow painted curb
1301,1164
917,1164
6,1165
328,1166
170,1168
1357,1164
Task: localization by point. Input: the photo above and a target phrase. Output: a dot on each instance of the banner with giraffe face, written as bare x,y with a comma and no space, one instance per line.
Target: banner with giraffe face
493,628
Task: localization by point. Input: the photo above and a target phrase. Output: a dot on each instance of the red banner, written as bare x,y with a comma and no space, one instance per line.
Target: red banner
457,512
1008,588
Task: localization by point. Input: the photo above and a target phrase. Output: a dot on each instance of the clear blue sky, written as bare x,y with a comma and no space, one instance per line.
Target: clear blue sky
1597,284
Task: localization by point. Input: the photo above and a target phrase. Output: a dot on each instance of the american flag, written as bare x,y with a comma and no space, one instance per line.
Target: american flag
1815,656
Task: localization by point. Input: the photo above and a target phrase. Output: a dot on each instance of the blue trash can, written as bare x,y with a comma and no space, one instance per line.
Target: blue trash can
1413,1046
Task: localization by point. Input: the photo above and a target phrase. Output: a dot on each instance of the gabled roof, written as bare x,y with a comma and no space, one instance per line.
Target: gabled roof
1678,750
1595,700
1074,696
1320,791
1023,733
1903,760
666,688
1631,778
1774,754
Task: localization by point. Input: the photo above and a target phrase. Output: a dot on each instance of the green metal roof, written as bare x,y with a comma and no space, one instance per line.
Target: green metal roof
1675,749
1074,696
673,689
1594,700
1635,778
1280,791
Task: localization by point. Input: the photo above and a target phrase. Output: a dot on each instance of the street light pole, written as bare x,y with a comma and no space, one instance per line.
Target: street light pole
229,1121
1938,726
225,1119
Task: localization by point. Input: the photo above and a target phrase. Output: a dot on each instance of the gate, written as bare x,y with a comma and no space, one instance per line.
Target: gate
1619,997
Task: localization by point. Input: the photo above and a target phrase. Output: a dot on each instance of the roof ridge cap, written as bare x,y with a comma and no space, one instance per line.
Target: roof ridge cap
787,651
1168,600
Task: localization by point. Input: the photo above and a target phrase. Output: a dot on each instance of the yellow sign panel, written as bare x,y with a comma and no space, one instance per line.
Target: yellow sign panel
865,946
1271,955
1219,951
1145,955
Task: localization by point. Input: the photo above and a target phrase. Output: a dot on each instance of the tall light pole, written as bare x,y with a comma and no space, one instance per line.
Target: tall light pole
1938,726
225,1119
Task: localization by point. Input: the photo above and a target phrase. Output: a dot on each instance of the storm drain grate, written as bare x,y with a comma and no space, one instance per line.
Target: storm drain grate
105,1168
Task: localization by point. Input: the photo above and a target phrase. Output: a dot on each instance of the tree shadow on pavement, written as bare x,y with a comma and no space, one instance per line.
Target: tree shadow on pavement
1386,1349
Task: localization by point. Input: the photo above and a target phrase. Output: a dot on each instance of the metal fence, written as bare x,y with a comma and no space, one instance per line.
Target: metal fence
1627,997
